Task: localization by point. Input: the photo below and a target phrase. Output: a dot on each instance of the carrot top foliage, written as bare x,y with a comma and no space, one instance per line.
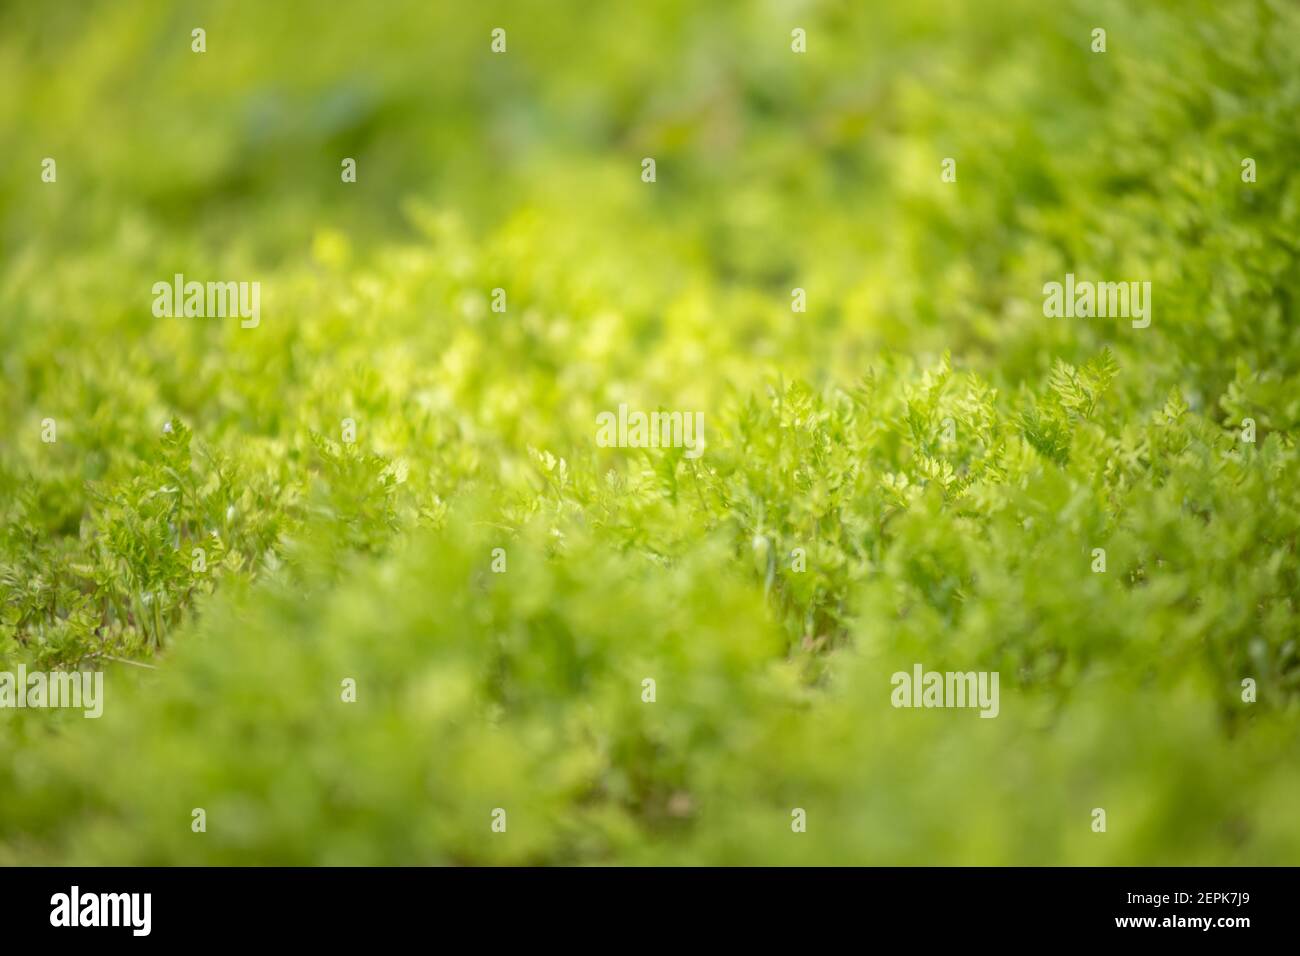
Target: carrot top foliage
390,481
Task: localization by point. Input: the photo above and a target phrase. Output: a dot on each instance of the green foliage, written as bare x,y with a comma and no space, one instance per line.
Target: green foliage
944,457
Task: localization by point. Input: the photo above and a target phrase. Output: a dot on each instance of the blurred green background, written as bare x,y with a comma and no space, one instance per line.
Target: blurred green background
830,430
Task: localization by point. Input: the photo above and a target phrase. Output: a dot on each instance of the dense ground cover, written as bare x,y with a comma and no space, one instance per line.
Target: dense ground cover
945,456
